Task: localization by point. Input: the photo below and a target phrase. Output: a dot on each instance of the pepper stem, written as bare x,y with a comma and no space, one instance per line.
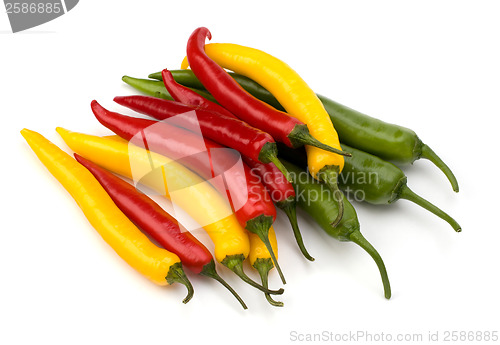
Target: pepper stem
300,136
269,154
429,154
176,275
260,226
263,266
359,239
289,206
235,264
329,175
209,271
408,194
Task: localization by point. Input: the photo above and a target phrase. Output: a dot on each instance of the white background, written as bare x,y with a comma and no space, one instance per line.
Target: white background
432,66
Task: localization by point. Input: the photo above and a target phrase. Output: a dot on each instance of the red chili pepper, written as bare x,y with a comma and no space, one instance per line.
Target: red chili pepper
250,200
228,131
233,97
282,194
187,96
157,223
279,188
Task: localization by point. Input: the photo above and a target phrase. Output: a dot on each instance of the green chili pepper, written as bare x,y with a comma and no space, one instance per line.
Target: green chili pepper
157,89
385,140
318,201
373,180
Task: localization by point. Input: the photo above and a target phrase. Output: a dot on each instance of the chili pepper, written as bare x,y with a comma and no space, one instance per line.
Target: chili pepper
157,264
157,89
231,96
292,92
197,198
189,97
386,140
261,259
158,224
378,181
282,194
251,202
324,209
227,131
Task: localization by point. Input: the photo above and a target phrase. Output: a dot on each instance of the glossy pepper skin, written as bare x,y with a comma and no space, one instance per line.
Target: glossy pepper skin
298,99
378,182
159,265
157,223
227,131
251,203
282,194
324,209
200,200
386,140
283,128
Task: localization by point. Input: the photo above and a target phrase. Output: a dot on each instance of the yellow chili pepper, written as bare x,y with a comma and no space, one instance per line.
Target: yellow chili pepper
298,99
188,190
261,259
157,264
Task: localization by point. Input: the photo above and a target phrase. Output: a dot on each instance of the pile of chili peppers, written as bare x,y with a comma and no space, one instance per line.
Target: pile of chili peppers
228,148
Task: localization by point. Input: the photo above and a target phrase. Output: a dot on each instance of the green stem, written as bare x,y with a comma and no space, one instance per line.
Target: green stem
427,153
235,264
269,154
289,206
406,193
260,226
263,266
300,136
280,166
209,271
176,275
359,239
329,175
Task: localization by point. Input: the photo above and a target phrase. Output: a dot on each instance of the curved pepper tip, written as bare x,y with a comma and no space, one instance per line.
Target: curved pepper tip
166,75
117,99
25,131
61,130
205,31
97,108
